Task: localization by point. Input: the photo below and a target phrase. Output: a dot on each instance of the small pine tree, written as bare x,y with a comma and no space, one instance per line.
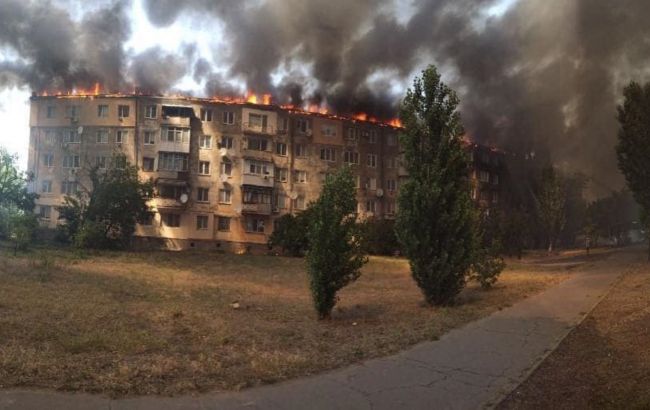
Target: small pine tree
633,147
335,256
436,220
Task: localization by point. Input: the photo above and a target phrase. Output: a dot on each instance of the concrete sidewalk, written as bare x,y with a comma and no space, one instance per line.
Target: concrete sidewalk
470,367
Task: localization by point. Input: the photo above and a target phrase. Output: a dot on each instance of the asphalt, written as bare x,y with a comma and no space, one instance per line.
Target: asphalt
472,367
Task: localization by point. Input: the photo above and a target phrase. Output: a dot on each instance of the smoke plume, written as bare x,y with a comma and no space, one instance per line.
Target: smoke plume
543,77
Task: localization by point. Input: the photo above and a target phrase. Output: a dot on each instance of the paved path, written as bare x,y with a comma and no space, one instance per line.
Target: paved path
468,368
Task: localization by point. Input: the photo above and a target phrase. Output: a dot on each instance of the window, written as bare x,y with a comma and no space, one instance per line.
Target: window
254,224
201,222
226,167
258,167
351,157
168,191
150,111
225,196
71,161
371,206
391,185
50,137
484,176
281,149
372,137
51,111
390,163
258,144
72,111
283,124
100,162
205,141
353,134
302,125
102,111
172,161
177,135
390,208
121,136
123,111
328,154
299,203
257,121
372,160
371,183
68,187
391,139
300,177
300,150
357,181
281,174
46,187
226,142
202,194
495,197
223,224
256,196
45,211
280,201
102,137
148,164
206,115
48,160
228,117
71,137
495,179
172,220
204,168
328,130
149,137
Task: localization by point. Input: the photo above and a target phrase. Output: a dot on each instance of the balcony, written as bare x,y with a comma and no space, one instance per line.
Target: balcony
401,171
172,146
257,209
265,181
258,128
175,121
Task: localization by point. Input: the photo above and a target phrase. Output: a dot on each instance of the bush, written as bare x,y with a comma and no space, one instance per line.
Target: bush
290,233
22,229
378,237
487,268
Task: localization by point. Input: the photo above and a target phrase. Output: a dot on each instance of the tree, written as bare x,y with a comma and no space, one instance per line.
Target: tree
106,214
436,221
335,256
633,149
17,220
290,233
551,201
378,236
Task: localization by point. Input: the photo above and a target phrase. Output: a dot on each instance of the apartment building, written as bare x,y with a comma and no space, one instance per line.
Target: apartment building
224,172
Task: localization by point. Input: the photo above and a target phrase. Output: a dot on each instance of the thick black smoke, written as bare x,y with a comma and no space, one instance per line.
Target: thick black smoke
544,77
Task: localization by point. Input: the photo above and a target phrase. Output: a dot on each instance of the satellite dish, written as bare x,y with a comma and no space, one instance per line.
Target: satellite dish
184,198
293,195
223,152
380,193
80,130
223,177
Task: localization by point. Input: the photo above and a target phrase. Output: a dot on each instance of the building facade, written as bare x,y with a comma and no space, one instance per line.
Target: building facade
224,172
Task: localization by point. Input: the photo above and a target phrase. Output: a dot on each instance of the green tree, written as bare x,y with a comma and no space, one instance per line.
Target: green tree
551,201
633,147
436,221
290,233
335,256
106,214
17,220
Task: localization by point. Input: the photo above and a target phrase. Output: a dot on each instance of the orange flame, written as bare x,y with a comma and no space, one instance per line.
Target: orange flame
395,122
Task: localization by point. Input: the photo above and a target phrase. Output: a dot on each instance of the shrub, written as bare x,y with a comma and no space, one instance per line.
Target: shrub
378,237
486,268
290,233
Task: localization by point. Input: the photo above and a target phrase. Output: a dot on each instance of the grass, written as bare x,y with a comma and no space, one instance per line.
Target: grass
168,323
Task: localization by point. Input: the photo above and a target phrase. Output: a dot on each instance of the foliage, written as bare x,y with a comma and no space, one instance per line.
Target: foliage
105,216
22,228
290,233
13,190
436,222
515,232
487,267
575,208
633,147
335,256
378,236
488,263
551,202
612,217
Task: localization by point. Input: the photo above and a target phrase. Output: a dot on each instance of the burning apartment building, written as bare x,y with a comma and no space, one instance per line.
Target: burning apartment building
224,171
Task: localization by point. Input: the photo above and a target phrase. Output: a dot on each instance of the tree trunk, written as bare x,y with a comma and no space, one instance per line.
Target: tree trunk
550,246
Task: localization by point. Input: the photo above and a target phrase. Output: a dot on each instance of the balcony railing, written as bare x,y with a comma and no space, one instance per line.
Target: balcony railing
179,121
259,209
258,128
258,180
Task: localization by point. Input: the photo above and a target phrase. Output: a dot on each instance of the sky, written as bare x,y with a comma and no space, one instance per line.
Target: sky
14,101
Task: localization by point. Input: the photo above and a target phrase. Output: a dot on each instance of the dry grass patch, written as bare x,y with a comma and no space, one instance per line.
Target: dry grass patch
164,323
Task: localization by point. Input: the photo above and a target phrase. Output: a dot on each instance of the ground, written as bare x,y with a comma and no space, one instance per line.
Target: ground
604,362
165,323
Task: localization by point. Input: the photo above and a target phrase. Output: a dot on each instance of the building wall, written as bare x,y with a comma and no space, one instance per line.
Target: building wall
278,158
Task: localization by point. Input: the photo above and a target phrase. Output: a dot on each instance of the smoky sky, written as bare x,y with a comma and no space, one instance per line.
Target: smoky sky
545,76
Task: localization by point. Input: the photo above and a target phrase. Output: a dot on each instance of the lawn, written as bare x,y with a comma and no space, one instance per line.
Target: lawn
171,322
